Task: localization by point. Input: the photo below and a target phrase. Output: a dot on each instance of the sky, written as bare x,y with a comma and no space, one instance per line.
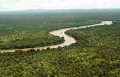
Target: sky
12,5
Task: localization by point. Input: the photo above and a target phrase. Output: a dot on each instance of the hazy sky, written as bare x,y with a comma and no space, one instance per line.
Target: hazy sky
10,5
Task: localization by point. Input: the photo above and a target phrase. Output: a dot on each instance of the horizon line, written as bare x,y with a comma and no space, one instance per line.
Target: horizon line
59,9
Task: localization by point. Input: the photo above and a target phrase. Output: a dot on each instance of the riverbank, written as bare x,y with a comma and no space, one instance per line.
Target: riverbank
61,33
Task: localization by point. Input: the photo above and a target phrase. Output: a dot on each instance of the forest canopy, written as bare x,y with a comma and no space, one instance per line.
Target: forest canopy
95,54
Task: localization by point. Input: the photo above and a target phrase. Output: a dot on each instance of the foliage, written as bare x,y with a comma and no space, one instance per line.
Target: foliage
84,58
96,53
32,30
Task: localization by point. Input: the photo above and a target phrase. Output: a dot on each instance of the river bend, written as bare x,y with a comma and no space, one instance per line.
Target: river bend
61,33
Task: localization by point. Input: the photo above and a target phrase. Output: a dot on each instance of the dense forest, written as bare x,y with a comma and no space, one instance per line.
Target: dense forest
95,54
19,30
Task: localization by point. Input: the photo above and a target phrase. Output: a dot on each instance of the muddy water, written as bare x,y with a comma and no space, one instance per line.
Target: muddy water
61,33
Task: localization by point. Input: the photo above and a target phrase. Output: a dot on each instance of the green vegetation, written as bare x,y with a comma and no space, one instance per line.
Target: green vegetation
96,54
32,30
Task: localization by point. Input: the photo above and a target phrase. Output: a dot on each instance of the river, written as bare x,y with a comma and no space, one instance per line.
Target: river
61,33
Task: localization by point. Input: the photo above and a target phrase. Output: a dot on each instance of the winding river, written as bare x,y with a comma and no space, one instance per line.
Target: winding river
61,33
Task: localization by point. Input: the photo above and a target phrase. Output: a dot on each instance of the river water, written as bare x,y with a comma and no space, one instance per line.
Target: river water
61,33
